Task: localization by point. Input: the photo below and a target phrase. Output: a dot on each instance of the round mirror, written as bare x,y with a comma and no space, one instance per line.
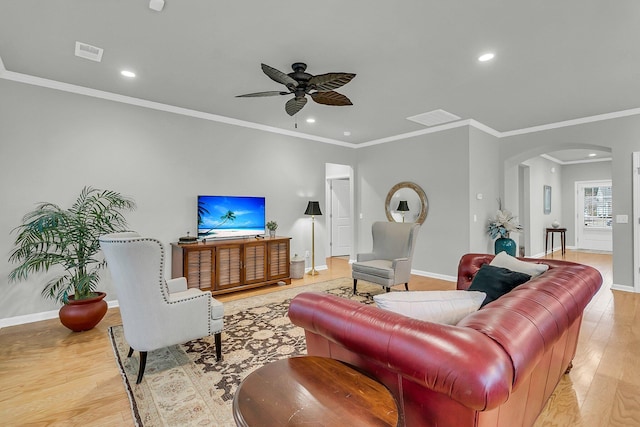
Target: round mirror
406,202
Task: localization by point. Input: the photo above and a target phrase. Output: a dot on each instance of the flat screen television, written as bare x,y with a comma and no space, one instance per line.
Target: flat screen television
227,217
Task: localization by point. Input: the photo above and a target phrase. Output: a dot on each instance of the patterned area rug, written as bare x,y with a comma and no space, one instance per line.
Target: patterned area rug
184,385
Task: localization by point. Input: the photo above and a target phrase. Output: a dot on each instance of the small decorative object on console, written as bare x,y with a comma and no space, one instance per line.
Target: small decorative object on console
272,226
188,239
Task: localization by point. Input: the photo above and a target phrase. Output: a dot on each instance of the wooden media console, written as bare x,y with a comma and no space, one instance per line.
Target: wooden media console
222,266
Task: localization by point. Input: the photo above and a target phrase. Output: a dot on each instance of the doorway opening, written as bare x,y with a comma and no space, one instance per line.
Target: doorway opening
594,215
340,206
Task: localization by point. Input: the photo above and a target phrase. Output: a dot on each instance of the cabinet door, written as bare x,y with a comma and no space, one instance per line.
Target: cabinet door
255,262
199,269
278,260
228,266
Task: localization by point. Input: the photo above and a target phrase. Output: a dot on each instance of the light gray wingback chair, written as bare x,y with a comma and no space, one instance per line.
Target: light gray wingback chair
389,263
155,312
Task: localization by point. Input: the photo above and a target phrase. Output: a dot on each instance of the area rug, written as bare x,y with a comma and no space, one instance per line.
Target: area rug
184,385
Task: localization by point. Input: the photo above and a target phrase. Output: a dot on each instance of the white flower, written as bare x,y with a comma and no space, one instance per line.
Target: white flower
503,224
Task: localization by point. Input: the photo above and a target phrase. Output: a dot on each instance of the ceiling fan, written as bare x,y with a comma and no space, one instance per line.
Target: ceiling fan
299,83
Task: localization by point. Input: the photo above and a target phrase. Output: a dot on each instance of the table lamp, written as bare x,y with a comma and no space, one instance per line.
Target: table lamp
402,208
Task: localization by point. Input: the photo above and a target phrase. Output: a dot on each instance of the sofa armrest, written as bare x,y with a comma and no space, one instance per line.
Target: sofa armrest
461,363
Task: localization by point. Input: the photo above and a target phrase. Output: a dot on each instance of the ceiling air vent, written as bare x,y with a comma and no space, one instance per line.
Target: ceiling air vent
435,117
87,51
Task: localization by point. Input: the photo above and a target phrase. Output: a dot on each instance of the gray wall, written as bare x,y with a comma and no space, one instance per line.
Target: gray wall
570,175
484,182
542,172
53,143
622,137
439,164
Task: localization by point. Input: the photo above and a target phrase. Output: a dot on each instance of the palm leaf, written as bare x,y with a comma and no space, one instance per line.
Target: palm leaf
51,236
330,81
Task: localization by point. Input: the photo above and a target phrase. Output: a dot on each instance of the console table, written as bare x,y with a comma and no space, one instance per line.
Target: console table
312,391
222,266
562,231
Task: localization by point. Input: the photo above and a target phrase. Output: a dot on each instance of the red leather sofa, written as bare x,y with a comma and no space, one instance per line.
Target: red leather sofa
497,367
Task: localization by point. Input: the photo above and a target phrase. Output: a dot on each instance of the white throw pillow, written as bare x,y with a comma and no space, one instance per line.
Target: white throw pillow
448,307
505,260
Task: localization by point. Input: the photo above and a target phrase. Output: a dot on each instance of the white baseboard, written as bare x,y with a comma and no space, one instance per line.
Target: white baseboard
37,317
616,287
435,275
318,268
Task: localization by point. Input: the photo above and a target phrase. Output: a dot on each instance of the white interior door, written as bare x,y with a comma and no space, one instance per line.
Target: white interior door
340,218
594,215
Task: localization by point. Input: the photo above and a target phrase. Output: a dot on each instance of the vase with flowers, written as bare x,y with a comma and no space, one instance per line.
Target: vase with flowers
501,227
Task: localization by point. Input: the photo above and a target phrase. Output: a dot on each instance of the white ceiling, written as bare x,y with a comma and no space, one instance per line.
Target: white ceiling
555,60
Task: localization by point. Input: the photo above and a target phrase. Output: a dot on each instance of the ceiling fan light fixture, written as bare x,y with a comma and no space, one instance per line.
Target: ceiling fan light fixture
299,83
486,57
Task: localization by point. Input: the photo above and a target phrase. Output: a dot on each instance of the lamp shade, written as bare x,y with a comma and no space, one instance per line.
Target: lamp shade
403,206
313,208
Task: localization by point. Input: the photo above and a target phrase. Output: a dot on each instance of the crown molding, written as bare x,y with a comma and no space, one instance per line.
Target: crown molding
139,102
94,93
413,134
575,162
573,122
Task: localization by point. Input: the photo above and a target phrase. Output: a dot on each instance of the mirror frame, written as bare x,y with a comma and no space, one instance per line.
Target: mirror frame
421,194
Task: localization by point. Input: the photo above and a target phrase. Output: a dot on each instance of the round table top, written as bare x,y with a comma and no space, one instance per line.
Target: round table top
312,391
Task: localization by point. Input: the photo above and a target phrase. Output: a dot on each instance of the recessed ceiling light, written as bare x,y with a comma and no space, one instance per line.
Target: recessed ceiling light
486,57
592,154
128,73
311,120
346,133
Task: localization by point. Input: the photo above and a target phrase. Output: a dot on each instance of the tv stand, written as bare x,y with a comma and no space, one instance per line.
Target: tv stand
223,266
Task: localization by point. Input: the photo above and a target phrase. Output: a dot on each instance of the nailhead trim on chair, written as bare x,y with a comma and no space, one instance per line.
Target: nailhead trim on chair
163,283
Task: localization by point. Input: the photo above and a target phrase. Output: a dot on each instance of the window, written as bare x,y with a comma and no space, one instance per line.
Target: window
597,207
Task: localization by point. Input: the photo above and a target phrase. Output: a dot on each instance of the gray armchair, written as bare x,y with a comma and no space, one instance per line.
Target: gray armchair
155,312
389,263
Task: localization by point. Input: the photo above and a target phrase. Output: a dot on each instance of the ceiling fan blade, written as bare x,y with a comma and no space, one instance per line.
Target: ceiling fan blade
269,93
330,98
279,76
330,81
294,105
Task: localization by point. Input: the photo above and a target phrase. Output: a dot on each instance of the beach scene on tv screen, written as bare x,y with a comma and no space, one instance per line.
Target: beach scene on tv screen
223,217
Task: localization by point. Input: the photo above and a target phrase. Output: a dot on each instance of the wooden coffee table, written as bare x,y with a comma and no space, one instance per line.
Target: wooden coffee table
312,391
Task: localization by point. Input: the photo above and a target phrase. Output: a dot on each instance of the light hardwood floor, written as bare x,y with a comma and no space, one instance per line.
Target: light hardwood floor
51,376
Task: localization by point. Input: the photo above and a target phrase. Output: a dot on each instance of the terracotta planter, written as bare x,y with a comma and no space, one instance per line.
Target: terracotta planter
84,314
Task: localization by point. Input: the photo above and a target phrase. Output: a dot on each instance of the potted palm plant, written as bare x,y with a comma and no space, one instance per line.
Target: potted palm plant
67,239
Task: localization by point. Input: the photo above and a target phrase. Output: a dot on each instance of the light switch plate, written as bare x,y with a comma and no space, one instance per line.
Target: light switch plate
622,219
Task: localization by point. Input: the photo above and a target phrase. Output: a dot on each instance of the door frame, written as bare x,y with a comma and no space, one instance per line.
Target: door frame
578,202
345,172
636,221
